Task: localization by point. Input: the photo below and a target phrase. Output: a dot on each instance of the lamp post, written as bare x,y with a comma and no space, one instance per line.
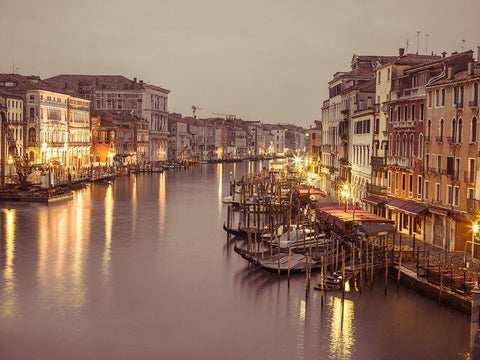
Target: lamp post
10,163
475,228
346,194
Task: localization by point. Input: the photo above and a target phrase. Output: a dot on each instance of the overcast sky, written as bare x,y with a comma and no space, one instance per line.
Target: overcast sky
267,60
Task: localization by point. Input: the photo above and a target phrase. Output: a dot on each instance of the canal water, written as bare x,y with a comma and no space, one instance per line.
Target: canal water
140,268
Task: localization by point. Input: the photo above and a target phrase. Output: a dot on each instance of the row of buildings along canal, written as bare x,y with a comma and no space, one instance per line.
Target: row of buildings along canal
402,133
74,122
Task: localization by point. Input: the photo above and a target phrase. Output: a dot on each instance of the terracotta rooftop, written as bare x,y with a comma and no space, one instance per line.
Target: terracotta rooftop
18,84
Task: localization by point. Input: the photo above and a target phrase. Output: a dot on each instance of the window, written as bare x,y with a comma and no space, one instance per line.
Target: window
449,194
427,189
456,193
404,180
410,183
405,114
411,147
32,113
429,129
390,144
420,146
471,170
473,132
404,145
419,186
389,181
412,114
427,161
443,98
388,74
422,109
379,77
437,192
439,162
454,129
398,113
440,130
391,113
397,184
470,192
430,95
459,132
437,98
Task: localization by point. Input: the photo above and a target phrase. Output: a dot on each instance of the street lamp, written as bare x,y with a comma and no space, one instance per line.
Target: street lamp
346,194
475,228
10,163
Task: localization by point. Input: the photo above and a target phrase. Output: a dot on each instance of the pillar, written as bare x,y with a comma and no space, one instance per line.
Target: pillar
474,322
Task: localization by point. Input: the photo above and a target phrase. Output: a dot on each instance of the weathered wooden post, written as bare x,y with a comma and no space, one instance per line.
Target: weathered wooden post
386,270
289,259
474,325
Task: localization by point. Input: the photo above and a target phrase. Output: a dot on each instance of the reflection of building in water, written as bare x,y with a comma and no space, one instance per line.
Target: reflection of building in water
8,307
342,330
108,230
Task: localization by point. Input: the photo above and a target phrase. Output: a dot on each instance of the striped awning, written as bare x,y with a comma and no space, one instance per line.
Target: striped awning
373,200
406,207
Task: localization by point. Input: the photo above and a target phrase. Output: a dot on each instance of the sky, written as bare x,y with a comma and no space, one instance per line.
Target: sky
267,60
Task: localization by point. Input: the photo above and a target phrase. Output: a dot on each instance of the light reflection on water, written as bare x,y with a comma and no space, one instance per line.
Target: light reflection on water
9,295
77,282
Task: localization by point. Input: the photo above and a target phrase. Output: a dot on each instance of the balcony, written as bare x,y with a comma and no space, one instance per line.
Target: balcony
376,189
427,139
473,205
439,139
378,161
345,109
403,124
473,104
459,105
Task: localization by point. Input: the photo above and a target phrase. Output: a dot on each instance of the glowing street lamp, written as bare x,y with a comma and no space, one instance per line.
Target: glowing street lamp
475,229
346,194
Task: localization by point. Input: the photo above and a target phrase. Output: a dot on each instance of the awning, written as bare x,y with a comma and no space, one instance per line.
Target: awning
377,229
335,214
406,207
305,190
373,200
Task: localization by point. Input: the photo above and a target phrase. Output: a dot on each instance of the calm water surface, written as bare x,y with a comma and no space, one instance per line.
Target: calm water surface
141,269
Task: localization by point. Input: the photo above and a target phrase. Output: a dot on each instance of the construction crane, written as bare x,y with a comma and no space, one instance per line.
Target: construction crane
21,162
194,110
227,116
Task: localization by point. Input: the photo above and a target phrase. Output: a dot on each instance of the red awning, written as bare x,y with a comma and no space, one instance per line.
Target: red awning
373,200
335,214
305,190
406,207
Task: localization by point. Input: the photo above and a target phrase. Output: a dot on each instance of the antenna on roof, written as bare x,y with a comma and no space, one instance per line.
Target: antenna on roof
426,43
463,44
13,67
406,47
418,41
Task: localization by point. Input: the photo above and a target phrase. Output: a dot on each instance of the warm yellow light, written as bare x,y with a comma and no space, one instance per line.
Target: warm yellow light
475,228
345,187
10,160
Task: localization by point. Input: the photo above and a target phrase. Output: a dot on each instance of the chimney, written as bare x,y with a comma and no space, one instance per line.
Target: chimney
450,71
471,67
135,80
444,54
140,81
401,52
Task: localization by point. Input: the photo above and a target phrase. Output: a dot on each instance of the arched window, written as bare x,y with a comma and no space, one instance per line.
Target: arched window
32,135
454,129
404,145
32,113
473,132
459,132
420,146
412,146
440,130
397,146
